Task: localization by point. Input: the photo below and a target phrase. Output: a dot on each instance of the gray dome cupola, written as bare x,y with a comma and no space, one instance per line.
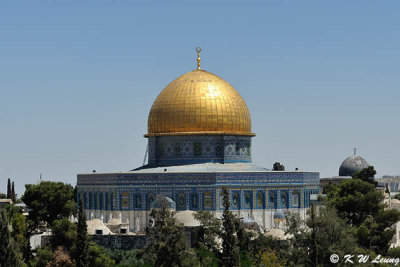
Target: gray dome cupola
352,164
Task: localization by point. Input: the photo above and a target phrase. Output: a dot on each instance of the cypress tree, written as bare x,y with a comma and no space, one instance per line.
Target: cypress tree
82,243
8,249
313,239
9,189
13,195
230,248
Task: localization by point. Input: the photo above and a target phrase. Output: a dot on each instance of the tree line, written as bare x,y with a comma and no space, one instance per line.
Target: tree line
352,220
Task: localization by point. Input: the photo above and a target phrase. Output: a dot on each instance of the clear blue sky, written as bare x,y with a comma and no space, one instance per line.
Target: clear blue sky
77,80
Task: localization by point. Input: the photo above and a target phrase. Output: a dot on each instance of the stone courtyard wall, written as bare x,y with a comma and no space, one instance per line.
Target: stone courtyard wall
129,242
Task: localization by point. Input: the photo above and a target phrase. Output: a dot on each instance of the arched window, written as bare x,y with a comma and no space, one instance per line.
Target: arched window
150,201
248,200
271,201
181,201
207,200
235,200
260,199
194,201
296,199
284,200
138,201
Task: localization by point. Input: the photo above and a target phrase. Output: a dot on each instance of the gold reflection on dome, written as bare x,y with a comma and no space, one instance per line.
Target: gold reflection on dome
199,102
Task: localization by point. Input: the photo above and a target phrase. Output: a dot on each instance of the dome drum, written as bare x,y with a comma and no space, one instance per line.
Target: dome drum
192,149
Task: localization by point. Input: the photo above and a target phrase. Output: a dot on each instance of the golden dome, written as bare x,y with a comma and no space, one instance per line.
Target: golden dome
199,102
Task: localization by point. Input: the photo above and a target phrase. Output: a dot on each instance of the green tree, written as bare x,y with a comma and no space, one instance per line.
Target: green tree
64,234
270,259
230,246
394,252
82,239
375,233
298,249
263,245
330,234
321,235
206,257
8,247
355,199
123,258
19,231
9,188
244,237
361,205
43,256
278,167
13,195
312,223
210,229
366,175
167,242
48,201
97,257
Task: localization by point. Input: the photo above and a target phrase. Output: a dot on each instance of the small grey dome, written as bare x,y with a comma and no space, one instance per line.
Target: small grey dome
352,165
250,224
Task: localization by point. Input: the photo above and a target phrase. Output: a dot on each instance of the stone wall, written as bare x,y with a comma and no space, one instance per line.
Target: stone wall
124,242
129,242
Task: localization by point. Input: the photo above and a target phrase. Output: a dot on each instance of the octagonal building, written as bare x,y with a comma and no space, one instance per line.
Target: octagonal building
199,140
